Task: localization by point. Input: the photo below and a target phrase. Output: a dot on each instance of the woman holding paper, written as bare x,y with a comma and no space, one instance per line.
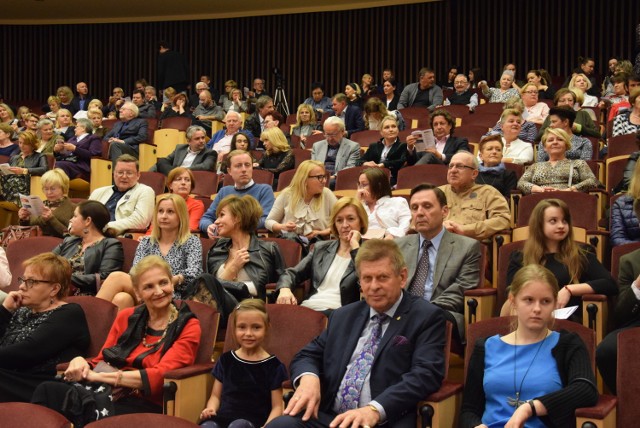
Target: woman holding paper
551,244
58,208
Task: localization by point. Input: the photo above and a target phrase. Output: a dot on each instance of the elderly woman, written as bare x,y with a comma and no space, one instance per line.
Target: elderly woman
330,265
504,92
388,217
170,239
562,118
375,110
144,343
239,265
24,164
93,254
58,208
389,152
492,170
65,94
74,156
236,103
534,110
558,173
306,124
38,329
304,207
278,156
354,95
64,124
629,122
515,150
179,107
582,125
7,147
48,138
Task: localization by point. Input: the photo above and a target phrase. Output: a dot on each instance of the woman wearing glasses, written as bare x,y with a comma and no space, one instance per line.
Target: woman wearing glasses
37,328
304,207
535,111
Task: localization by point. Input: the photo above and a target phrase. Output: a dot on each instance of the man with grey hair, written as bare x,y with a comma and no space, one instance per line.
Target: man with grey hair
351,115
423,93
194,99
193,155
255,122
127,134
221,140
151,98
335,151
475,210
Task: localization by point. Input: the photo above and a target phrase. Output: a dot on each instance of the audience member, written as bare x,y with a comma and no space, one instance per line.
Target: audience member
194,99
23,165
629,122
375,110
151,98
172,68
563,118
127,134
586,67
318,101
628,169
625,227
423,93
336,152
278,156
492,170
354,95
116,100
582,82
64,124
236,103
389,152
74,156
146,110
534,111
442,124
179,107
502,93
229,85
221,140
540,78
193,155
48,137
207,111
391,97
7,147
582,125
367,85
351,115
515,150
130,203
462,95
82,99
306,123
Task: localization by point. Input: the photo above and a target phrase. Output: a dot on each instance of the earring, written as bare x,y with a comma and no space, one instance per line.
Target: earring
85,230
51,301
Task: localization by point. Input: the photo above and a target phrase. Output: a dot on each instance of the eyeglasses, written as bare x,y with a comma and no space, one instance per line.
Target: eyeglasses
531,92
124,173
30,282
332,134
362,185
320,178
460,166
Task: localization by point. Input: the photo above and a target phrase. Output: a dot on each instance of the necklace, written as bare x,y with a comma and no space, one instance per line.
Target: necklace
481,177
173,314
516,402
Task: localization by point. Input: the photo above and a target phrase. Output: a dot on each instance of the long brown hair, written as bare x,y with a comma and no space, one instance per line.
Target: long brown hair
569,252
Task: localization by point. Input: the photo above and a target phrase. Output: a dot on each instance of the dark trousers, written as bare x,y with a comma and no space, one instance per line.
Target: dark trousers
607,357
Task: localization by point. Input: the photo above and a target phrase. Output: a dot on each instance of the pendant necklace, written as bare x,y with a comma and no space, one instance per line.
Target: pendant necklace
516,402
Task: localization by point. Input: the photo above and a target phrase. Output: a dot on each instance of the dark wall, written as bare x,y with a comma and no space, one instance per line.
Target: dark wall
334,47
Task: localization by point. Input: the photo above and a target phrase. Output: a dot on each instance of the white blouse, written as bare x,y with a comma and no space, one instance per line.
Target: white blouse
391,214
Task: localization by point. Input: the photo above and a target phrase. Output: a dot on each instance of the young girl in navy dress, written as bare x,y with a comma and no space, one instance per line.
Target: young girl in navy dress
247,391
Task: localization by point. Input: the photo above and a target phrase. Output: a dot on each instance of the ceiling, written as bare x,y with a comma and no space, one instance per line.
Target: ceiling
39,12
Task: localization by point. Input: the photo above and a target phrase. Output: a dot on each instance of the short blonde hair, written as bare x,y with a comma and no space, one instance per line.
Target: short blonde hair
56,177
344,203
147,263
277,139
558,133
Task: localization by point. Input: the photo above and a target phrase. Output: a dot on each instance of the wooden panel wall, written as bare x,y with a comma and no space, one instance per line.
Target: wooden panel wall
334,47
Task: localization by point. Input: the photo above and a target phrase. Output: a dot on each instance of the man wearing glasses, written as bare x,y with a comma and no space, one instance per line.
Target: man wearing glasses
130,203
127,134
475,210
335,151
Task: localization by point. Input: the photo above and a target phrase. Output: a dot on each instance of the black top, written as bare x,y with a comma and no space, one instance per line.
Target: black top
505,181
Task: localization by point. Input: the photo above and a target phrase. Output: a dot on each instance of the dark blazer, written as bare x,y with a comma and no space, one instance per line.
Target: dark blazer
315,267
133,134
69,133
627,311
353,121
396,158
204,161
252,124
457,269
147,111
75,103
102,258
407,367
36,162
451,147
393,105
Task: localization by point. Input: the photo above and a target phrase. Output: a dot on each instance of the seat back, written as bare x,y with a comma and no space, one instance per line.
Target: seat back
410,176
292,328
504,255
628,387
285,177
347,179
482,120
615,171
209,319
291,250
207,244
155,180
621,145
300,156
177,122
365,138
471,132
583,207
31,415
100,315
129,247
141,420
206,183
23,249
416,117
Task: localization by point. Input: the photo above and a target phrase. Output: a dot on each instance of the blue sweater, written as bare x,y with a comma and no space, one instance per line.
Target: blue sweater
261,192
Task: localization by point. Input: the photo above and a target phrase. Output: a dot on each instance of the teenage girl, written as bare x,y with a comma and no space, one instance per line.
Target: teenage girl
247,390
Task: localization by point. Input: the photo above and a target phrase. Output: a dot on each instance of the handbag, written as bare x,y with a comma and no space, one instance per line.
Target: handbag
15,233
117,392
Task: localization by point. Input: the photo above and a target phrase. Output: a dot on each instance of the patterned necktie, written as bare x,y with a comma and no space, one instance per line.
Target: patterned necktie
354,378
420,277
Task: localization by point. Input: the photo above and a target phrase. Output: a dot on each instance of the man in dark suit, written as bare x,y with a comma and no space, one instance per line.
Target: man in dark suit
172,69
193,155
82,99
453,264
255,122
350,114
127,134
442,124
376,359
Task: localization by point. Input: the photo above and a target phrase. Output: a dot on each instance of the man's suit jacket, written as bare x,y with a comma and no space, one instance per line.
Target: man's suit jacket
75,103
451,147
133,211
147,111
348,153
252,124
628,307
457,269
133,134
408,364
204,161
353,121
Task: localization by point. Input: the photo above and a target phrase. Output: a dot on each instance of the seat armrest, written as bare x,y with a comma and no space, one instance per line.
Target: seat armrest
190,371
